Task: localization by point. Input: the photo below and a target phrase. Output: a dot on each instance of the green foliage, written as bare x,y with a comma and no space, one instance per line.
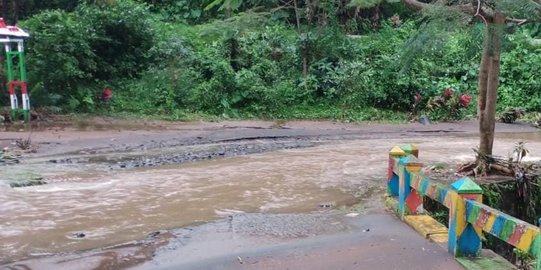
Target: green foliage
70,53
250,62
60,58
123,35
505,197
224,4
66,5
450,112
369,3
14,10
519,84
524,9
180,10
436,210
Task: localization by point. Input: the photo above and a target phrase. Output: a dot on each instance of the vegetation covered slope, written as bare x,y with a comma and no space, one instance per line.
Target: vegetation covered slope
260,58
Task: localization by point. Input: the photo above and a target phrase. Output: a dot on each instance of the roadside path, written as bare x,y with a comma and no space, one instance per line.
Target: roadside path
101,136
375,241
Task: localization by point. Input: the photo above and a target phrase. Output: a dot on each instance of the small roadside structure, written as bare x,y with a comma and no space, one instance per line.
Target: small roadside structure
12,37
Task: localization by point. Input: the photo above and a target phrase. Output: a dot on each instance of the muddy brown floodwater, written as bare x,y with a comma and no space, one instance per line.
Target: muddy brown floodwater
88,209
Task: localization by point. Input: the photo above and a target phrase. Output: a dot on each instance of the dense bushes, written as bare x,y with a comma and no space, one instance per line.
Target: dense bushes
520,84
60,59
70,54
260,72
252,65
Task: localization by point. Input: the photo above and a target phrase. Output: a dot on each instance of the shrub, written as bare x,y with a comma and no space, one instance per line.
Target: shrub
60,58
71,52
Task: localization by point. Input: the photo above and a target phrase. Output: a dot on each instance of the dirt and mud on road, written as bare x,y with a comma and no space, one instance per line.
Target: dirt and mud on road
115,194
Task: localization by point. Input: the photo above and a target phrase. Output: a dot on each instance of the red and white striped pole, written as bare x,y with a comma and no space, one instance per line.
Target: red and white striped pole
13,97
26,102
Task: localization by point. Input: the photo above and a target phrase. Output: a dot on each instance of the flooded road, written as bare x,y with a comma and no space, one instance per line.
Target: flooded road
118,207
83,209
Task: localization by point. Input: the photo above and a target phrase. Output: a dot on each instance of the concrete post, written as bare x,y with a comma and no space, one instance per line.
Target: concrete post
392,178
407,166
411,149
464,238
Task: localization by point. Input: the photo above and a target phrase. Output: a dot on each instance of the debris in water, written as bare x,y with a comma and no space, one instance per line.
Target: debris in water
35,181
79,235
5,158
23,144
326,205
352,214
424,120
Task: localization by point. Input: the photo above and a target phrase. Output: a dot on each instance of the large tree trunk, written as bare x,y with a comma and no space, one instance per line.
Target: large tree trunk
489,75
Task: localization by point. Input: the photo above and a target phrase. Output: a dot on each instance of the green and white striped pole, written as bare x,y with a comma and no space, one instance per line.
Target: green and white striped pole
15,59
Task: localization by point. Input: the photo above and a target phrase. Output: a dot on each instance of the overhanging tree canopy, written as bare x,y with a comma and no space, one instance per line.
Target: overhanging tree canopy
494,14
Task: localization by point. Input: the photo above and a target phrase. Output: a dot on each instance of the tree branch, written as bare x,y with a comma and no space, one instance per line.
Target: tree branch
478,12
474,10
518,21
416,5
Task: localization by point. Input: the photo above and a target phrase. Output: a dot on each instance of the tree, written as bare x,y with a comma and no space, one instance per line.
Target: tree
14,10
74,53
495,14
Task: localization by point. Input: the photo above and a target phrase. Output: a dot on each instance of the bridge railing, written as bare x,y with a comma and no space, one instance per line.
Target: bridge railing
468,216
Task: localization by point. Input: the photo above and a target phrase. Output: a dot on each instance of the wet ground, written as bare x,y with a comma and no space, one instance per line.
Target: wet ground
372,241
126,187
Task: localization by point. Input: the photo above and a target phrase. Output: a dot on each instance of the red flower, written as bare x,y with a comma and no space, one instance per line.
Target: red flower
106,94
448,93
417,98
464,100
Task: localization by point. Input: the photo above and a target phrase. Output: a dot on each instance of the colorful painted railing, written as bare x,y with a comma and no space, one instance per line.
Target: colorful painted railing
468,216
516,232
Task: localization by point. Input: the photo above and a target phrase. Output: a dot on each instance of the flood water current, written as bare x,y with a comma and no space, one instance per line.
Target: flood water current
81,209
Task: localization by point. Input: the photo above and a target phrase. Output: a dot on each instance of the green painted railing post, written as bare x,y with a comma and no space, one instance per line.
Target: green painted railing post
464,238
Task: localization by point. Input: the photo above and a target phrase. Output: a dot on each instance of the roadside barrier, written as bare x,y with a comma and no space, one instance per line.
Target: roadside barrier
468,216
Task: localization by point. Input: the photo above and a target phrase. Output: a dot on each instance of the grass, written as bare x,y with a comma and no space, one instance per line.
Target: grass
324,112
301,112
178,115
